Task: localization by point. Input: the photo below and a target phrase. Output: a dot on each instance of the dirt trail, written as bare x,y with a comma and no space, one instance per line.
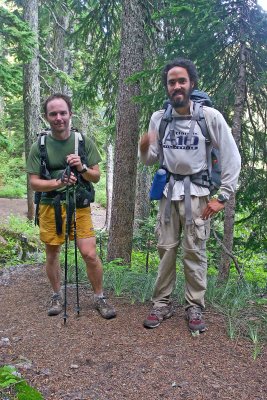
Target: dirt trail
93,359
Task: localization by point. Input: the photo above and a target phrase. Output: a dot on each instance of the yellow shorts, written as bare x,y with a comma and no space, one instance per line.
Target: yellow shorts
47,224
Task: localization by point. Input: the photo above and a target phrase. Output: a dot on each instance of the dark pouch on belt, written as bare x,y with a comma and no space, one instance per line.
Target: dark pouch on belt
85,196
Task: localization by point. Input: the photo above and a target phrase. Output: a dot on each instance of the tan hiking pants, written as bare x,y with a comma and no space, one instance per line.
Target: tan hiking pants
194,252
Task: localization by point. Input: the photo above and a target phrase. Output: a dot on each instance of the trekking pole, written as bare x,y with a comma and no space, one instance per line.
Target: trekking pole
75,251
65,316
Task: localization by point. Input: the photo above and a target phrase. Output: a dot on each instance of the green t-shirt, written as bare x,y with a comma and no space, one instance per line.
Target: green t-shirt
57,151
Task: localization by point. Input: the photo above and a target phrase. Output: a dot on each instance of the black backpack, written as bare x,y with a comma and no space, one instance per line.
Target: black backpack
86,193
199,98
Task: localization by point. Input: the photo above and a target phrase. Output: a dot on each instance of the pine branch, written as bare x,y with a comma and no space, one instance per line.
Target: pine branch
46,83
56,21
50,63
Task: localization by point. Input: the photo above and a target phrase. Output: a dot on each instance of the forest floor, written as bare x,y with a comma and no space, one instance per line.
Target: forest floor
90,358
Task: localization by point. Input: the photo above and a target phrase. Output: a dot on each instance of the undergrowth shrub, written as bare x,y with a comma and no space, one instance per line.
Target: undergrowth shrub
21,242
12,176
14,387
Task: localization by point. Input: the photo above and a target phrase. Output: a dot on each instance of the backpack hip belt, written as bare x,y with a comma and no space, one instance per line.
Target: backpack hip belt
201,179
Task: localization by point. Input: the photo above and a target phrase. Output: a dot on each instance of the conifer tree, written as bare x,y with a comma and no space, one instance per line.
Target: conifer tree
127,129
31,92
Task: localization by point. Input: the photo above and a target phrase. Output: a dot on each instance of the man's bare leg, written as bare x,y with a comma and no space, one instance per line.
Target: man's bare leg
94,270
94,267
53,272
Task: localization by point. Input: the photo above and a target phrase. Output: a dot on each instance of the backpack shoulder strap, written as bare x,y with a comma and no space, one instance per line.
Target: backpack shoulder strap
194,119
203,125
205,132
41,145
165,120
80,146
44,168
78,142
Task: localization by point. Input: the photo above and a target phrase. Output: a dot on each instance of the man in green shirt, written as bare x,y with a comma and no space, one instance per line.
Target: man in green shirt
60,145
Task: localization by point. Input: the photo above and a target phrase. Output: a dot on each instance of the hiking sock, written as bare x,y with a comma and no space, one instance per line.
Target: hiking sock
58,294
99,296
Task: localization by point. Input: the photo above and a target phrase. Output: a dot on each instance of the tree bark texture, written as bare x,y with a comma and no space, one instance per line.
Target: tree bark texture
142,204
83,123
109,182
62,55
31,93
240,97
229,219
127,126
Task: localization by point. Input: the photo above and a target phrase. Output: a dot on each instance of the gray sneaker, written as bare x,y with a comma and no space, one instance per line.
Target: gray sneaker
157,315
105,309
195,319
55,306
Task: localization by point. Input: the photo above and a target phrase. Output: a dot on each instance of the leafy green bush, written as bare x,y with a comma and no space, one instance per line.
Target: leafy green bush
18,224
14,387
12,176
100,191
22,242
13,192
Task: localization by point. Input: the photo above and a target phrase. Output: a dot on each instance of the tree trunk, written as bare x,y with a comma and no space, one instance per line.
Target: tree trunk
109,183
84,122
240,97
142,202
62,56
31,93
229,219
127,126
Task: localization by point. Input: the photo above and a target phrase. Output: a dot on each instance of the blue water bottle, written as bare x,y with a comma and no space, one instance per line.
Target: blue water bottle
158,184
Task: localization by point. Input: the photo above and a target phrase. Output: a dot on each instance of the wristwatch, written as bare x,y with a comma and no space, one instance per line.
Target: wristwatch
84,169
222,198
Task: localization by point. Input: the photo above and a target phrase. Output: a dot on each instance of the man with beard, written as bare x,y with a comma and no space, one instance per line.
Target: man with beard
181,160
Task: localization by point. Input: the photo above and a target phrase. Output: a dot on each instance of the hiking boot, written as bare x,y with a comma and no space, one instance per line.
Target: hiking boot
157,315
195,319
105,309
55,307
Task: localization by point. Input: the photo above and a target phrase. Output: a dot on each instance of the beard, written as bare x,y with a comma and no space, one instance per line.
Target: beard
183,102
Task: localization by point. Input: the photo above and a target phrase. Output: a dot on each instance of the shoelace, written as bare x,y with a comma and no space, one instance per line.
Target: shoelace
195,314
55,299
156,311
101,299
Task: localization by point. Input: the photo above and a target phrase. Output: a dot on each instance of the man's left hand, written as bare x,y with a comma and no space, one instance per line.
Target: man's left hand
213,207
